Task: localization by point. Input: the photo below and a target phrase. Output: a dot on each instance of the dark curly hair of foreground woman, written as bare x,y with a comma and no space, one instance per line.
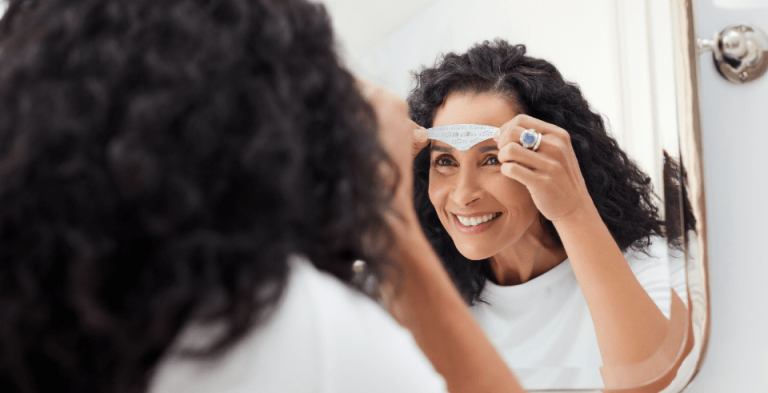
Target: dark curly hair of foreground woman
159,161
620,190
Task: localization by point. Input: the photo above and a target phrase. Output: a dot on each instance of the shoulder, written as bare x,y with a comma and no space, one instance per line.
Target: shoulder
323,336
360,342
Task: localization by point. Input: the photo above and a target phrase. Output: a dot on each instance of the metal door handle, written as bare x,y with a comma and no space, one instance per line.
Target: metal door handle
740,52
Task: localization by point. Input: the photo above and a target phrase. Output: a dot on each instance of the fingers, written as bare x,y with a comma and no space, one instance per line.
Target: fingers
420,140
510,136
513,152
389,109
510,132
520,173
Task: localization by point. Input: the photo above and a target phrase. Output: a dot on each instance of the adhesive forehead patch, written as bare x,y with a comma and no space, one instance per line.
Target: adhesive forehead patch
461,136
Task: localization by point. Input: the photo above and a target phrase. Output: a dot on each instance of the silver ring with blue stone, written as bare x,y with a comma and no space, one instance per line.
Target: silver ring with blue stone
539,137
530,139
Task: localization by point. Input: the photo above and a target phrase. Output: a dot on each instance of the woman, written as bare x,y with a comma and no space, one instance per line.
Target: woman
184,188
535,240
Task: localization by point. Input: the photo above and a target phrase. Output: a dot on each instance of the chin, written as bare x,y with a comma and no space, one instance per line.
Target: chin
473,253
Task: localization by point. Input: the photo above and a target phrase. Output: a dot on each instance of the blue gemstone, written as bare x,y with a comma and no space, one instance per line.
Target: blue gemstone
529,138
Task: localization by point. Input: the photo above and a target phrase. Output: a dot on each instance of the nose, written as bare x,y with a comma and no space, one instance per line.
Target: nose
468,190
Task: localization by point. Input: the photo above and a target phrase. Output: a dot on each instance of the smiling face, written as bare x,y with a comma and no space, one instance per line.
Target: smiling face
483,211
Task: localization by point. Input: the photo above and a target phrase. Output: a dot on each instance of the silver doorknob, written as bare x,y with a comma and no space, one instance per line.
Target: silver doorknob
740,52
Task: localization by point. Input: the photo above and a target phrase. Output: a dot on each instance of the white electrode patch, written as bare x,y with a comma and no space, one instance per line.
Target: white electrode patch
462,136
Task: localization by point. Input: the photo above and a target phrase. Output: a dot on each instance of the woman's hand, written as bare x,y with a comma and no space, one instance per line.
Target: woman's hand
551,173
420,141
396,133
402,139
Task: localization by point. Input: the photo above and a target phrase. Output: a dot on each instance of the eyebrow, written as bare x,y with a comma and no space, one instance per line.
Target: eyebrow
441,149
487,149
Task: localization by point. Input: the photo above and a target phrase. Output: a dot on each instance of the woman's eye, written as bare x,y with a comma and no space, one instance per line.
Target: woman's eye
442,161
493,160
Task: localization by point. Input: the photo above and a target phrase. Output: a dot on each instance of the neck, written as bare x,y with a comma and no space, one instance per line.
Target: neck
534,254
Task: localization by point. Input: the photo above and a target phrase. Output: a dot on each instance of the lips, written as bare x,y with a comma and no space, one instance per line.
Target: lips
474,224
476,220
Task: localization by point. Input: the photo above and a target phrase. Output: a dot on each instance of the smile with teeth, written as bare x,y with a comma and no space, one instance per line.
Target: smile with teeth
474,221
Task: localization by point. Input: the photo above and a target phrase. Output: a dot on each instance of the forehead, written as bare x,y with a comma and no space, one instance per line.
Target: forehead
474,108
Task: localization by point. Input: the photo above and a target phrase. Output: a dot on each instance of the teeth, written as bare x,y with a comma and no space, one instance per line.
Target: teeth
474,221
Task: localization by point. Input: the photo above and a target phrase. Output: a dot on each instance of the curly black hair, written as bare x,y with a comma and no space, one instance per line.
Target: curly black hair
621,192
159,162
679,219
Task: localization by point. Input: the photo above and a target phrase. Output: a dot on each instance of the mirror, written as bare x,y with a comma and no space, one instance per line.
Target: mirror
632,62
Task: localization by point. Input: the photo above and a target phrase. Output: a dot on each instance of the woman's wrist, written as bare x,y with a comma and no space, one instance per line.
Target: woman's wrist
586,213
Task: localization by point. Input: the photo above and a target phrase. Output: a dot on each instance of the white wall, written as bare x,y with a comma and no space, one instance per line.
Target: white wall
736,175
576,36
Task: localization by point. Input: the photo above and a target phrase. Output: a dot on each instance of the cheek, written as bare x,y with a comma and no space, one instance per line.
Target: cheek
438,190
514,196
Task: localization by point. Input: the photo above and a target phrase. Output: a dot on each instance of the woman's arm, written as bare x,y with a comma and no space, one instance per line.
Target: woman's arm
651,372
629,326
637,343
420,294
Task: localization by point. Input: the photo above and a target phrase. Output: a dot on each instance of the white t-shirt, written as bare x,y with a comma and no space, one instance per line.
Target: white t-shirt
322,337
543,328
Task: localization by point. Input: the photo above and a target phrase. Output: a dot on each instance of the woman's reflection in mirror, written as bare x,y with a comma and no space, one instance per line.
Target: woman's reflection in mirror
560,252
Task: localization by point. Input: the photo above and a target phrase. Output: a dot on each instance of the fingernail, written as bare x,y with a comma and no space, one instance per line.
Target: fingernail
496,135
420,135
